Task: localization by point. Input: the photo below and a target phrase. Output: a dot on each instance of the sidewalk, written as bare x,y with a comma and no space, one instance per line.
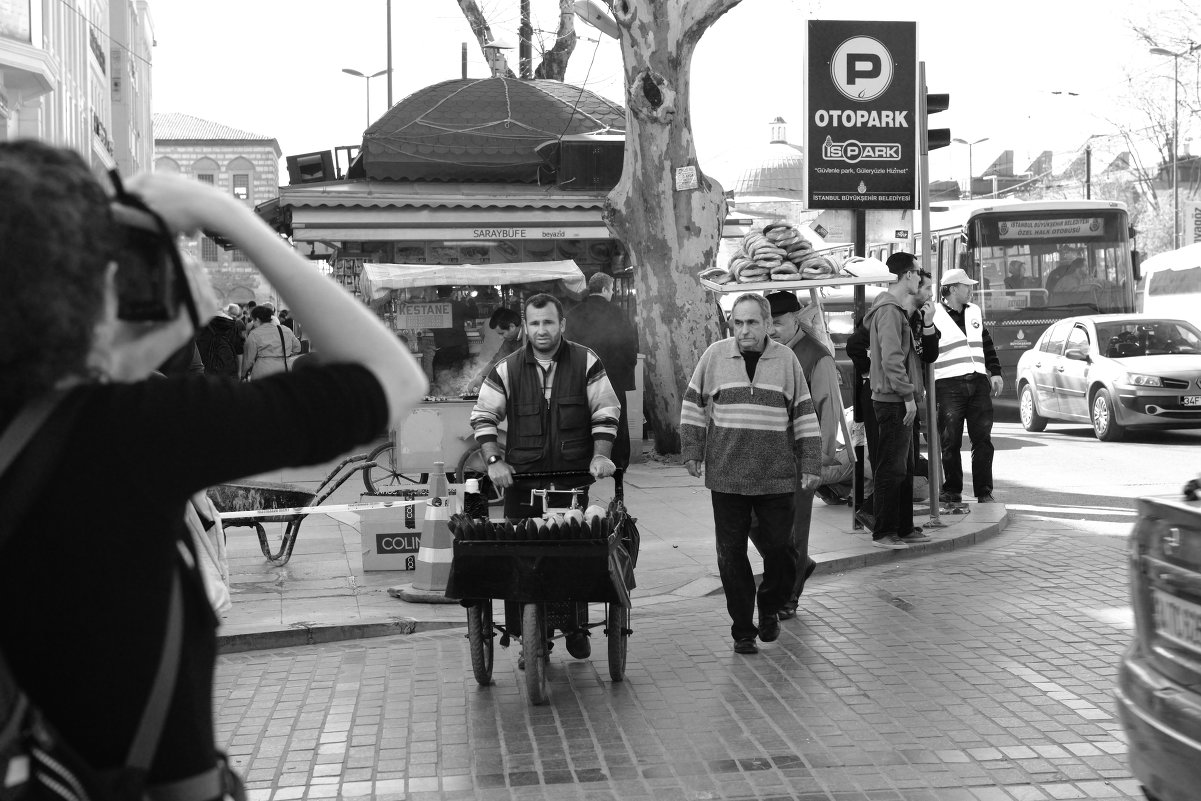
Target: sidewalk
323,594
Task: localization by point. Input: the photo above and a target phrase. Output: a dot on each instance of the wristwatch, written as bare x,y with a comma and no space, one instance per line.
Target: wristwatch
493,459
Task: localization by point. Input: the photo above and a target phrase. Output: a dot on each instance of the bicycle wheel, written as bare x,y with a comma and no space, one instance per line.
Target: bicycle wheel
471,465
533,648
617,628
480,637
378,476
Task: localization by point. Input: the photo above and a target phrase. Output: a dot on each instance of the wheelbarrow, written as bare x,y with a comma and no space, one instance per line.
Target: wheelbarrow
256,496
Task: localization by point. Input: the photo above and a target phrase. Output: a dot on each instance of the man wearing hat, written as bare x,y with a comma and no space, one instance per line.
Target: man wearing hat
967,375
818,366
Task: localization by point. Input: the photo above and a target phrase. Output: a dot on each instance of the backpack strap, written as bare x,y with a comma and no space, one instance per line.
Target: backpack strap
154,714
16,436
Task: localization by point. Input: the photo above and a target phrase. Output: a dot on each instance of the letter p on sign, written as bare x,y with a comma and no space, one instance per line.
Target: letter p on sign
861,68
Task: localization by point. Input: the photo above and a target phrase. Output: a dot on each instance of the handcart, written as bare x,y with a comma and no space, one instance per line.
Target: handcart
256,496
540,572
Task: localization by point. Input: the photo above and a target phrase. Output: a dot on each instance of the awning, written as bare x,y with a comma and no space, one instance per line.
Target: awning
378,280
466,225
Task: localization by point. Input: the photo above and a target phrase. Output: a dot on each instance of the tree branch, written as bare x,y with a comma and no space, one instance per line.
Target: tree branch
483,32
554,61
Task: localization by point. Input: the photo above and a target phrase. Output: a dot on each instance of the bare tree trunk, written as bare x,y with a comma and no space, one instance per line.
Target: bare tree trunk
483,32
672,234
554,61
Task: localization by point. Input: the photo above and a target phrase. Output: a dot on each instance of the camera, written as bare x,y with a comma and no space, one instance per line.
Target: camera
150,279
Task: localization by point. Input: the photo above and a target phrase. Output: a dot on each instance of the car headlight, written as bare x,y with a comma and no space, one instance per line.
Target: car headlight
1142,380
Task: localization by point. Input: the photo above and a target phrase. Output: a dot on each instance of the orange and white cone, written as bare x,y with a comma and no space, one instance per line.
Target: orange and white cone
437,550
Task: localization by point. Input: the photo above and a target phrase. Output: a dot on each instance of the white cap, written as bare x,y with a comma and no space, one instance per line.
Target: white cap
472,485
956,276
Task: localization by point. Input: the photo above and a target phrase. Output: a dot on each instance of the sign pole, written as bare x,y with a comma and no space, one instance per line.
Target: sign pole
923,188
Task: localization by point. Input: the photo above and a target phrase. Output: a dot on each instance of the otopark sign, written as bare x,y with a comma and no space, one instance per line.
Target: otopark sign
861,109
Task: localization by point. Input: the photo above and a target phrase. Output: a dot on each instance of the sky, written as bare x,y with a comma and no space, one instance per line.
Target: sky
274,67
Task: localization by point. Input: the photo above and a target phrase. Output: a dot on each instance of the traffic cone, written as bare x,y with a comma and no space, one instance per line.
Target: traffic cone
436,551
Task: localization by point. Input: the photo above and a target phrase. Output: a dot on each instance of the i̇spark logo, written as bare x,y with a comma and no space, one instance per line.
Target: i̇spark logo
852,152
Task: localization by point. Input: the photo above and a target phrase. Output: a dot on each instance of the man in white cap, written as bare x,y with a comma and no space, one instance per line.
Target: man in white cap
967,376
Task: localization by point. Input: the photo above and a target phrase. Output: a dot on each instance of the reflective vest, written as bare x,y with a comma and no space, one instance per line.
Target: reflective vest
959,353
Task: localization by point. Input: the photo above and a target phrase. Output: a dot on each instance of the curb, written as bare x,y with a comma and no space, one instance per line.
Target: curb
299,634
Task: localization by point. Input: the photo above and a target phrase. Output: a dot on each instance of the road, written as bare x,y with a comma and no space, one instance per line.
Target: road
1066,475
975,675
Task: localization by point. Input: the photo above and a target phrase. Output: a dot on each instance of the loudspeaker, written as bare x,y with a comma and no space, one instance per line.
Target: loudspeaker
308,168
590,163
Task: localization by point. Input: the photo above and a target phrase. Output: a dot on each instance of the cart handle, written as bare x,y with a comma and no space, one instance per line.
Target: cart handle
618,476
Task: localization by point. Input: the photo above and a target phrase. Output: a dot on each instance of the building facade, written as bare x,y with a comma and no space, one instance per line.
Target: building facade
77,74
239,162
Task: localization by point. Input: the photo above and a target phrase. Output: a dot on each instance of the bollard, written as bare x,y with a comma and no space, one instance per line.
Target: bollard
436,551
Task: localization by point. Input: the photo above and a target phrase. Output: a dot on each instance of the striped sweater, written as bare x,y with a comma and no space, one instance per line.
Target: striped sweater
752,435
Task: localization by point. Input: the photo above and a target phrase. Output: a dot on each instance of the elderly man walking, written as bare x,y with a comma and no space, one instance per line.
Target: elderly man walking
747,424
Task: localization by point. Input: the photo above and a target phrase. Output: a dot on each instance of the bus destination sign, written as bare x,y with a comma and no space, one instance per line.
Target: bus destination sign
861,108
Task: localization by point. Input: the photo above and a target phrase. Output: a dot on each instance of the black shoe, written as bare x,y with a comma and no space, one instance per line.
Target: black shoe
578,644
866,519
950,497
986,498
805,574
746,646
830,497
787,613
769,628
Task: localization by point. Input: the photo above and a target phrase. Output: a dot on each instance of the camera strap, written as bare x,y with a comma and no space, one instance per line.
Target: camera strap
279,329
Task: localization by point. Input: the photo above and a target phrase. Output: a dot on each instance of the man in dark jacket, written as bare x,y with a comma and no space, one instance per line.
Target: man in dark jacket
602,327
220,345
896,391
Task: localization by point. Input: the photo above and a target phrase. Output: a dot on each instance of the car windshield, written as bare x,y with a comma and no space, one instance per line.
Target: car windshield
1146,338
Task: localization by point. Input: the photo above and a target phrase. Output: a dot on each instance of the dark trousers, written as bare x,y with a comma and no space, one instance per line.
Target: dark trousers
732,524
802,518
965,399
621,446
893,467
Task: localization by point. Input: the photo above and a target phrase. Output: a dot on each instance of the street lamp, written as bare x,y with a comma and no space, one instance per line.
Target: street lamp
1161,51
358,74
970,180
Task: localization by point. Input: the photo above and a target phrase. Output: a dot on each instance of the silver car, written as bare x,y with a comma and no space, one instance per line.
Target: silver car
1113,371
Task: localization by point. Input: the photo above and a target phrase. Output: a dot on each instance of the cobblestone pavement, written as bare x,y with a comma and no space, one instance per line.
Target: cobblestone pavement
977,675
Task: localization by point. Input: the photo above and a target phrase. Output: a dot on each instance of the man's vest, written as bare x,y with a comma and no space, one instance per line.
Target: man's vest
554,435
959,352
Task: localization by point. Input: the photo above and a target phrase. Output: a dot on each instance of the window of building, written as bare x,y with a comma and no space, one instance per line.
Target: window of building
208,249
242,186
206,178
238,255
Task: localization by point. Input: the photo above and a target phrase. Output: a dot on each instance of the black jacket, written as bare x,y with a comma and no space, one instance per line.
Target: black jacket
603,328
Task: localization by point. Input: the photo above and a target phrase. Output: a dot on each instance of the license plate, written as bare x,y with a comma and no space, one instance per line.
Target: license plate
1177,620
1190,400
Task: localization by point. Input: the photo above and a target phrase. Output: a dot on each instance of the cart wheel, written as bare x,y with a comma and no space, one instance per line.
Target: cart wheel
479,635
472,465
378,476
618,627
533,648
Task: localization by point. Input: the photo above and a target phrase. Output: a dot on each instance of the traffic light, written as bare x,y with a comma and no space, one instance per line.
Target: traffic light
935,137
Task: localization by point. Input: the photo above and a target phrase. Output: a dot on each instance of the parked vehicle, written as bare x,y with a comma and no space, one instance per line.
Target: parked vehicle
1171,284
1159,680
1113,371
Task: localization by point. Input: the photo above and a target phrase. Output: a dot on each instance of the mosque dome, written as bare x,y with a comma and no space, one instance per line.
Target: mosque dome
775,170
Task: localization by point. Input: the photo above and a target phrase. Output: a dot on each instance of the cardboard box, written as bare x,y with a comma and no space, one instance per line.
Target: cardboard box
392,537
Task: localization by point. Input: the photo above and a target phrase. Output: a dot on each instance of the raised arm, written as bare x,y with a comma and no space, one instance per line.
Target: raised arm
343,328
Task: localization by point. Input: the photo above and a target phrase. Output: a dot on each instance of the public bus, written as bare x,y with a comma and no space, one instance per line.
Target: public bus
1019,251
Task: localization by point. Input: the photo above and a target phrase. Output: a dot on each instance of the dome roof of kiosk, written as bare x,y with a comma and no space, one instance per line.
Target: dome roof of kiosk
481,129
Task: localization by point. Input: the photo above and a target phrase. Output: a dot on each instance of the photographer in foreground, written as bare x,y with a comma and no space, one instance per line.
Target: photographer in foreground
95,559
